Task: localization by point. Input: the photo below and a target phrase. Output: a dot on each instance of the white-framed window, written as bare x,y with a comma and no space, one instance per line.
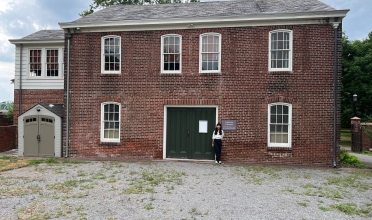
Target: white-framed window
171,53
111,55
279,125
45,63
280,50
110,122
210,53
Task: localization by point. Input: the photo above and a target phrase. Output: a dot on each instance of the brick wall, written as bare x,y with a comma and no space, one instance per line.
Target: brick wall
8,137
31,97
366,141
242,91
3,120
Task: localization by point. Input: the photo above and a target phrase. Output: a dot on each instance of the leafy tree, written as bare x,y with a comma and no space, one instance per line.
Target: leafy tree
10,113
356,79
99,4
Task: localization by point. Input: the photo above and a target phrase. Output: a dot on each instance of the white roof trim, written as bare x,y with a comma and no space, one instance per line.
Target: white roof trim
36,41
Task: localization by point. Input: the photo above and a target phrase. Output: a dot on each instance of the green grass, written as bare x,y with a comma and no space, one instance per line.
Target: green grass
345,137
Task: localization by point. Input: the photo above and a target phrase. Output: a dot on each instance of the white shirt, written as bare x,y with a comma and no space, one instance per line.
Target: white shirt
218,135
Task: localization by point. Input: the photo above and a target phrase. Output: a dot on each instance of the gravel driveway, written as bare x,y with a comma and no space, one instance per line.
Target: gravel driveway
182,190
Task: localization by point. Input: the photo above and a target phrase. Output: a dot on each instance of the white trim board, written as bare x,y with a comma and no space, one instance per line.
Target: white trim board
165,121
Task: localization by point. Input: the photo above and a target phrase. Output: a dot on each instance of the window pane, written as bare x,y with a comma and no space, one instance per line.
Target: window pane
279,64
278,138
274,36
273,119
280,35
279,108
106,125
116,134
285,109
285,119
273,54
279,128
285,138
272,128
273,64
273,109
280,54
272,138
280,45
285,128
215,65
204,65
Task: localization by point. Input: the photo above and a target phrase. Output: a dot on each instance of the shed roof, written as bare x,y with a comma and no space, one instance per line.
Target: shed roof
204,9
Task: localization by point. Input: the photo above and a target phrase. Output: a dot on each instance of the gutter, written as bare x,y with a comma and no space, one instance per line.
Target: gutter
335,26
20,81
68,94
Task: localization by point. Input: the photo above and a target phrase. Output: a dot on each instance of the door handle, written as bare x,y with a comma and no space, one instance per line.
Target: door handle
188,132
38,138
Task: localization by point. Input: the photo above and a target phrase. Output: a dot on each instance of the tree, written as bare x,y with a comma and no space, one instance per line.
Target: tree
356,79
99,4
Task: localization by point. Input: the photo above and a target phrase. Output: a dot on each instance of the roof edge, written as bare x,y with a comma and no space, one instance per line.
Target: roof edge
217,19
36,41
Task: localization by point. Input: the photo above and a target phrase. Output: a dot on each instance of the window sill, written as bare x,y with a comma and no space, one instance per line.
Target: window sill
170,74
110,74
210,73
109,144
280,72
279,148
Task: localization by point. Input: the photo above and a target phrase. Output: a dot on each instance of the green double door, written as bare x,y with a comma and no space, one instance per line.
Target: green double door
189,133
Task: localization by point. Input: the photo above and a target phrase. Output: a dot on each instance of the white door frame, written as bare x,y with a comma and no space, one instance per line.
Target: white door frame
180,106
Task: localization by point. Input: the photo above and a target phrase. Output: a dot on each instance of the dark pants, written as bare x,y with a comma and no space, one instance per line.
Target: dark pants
217,148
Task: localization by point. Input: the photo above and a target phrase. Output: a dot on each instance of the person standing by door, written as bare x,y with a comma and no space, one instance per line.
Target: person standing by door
217,141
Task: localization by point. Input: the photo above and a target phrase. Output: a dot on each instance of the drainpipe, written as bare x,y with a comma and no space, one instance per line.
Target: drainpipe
335,26
68,94
20,81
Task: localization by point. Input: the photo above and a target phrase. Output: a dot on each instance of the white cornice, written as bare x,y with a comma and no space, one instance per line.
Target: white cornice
38,41
199,22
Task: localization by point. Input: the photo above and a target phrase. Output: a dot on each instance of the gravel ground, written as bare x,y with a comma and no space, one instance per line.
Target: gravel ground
182,190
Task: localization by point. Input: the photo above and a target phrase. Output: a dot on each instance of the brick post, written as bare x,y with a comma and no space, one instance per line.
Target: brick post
356,140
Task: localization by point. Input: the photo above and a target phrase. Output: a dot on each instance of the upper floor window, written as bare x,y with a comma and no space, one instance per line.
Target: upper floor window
35,62
280,54
111,54
52,62
171,56
210,53
110,122
279,125
45,63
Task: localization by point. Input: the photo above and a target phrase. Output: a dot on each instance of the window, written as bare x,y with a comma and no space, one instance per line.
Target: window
171,53
111,54
280,54
52,63
279,120
210,53
110,122
35,62
45,63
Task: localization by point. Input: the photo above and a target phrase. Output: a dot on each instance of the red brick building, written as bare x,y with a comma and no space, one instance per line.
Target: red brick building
152,81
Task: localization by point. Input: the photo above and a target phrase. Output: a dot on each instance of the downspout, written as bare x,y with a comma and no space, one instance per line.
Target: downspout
335,26
20,81
68,94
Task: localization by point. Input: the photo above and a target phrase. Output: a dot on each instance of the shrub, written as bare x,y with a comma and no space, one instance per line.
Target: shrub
349,160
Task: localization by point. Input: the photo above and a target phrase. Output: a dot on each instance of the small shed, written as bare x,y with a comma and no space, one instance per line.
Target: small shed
40,131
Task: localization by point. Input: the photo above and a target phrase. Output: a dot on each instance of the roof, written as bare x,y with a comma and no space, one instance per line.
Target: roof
55,108
46,34
204,9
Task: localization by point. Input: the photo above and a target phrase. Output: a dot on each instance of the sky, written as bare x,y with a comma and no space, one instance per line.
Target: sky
19,18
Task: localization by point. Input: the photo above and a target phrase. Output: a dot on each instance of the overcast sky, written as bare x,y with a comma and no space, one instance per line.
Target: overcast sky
19,18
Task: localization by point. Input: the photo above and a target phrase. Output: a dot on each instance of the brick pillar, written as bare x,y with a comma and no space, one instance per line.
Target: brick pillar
356,135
